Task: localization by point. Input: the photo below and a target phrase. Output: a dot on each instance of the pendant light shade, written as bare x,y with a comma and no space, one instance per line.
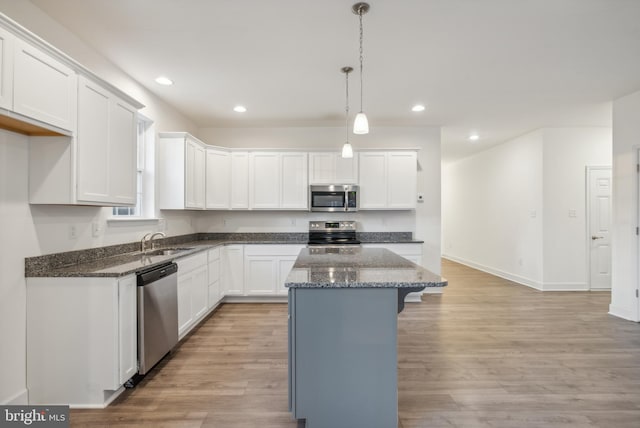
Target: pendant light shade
361,123
347,150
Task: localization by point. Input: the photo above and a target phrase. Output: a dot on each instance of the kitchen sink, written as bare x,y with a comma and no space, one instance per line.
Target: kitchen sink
167,251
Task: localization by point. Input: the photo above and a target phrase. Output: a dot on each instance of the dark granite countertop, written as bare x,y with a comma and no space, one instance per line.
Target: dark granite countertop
125,259
357,267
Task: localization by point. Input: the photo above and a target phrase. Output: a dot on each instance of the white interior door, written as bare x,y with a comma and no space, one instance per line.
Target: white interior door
599,205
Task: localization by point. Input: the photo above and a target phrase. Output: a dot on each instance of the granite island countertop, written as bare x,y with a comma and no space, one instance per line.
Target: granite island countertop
357,267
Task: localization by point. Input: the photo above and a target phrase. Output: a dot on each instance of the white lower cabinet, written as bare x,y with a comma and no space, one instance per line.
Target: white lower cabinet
232,257
193,291
81,339
214,277
267,268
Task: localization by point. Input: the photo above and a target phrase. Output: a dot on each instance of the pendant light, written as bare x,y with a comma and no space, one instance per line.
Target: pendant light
360,124
347,150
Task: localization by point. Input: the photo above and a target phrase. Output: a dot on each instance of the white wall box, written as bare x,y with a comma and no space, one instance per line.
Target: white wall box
278,180
180,174
332,168
93,351
193,291
266,268
239,180
218,173
388,180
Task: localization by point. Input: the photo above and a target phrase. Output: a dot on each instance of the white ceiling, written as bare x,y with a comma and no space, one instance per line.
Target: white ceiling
497,67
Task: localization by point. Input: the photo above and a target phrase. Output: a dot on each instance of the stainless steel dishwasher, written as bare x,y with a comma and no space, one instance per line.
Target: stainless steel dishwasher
157,314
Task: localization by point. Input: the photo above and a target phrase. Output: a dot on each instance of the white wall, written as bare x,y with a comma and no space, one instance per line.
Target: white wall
626,141
492,210
34,230
424,221
506,210
567,152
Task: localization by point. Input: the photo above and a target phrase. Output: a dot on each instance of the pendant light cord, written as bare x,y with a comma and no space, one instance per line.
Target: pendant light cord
361,37
346,109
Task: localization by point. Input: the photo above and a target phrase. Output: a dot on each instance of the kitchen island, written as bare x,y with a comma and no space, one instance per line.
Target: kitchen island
343,308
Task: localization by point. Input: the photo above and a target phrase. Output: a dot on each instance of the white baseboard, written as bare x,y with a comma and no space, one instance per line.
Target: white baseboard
624,313
433,290
506,275
565,286
255,299
18,399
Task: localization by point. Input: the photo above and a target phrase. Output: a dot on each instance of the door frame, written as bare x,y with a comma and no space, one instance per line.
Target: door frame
587,209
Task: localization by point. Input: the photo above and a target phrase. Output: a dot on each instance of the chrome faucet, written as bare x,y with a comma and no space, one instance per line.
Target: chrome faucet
154,235
143,242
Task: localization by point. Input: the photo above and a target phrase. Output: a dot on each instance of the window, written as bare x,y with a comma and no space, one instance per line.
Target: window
144,182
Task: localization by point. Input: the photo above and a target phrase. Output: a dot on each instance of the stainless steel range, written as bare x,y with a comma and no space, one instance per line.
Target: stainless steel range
332,233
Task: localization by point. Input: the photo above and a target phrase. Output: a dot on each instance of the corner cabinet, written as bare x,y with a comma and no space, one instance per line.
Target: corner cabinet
388,180
180,171
278,180
94,349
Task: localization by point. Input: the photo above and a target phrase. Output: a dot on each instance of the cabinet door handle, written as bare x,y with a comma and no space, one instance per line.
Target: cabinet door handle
593,238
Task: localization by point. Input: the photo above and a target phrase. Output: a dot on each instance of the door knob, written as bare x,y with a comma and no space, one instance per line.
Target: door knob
593,238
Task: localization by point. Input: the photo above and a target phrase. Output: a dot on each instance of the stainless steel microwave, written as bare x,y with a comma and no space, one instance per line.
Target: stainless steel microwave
334,198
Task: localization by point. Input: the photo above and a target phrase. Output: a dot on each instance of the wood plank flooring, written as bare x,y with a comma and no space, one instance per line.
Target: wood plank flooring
486,353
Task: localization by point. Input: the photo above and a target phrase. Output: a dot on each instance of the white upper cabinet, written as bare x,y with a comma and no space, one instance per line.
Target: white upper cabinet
278,180
264,184
106,147
195,175
180,175
332,168
98,165
218,172
6,69
239,180
373,180
402,177
43,88
294,194
388,180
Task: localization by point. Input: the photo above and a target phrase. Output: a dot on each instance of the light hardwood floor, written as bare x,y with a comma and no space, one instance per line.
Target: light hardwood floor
487,353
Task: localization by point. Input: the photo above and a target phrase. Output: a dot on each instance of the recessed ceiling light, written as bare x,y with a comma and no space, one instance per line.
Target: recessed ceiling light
474,137
240,109
164,81
418,107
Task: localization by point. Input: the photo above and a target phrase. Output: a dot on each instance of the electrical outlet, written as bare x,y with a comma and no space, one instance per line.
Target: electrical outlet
293,222
162,225
573,213
96,229
73,231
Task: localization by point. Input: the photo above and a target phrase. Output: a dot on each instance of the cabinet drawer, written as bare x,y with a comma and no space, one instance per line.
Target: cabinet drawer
187,264
214,254
273,250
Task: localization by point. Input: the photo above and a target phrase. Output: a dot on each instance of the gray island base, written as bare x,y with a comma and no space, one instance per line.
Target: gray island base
343,315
